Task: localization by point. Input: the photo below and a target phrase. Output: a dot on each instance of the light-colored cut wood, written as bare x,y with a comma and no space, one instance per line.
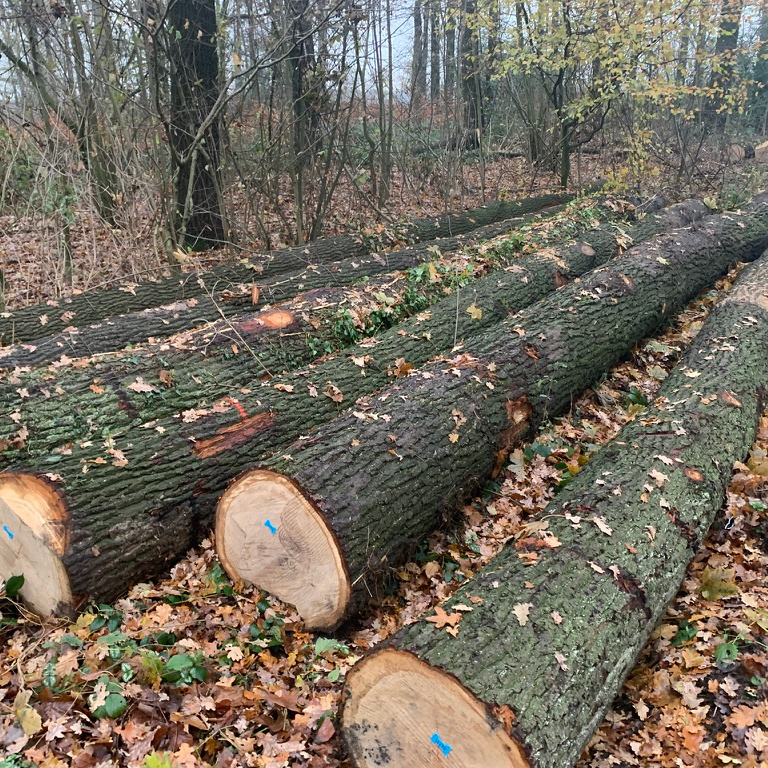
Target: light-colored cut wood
269,535
402,713
33,539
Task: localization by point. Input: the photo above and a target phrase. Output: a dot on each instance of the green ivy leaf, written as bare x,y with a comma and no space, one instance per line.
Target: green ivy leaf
114,706
13,585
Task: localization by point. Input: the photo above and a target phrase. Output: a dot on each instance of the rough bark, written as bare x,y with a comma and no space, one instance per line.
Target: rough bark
199,367
34,322
544,684
162,322
194,125
175,378
362,471
138,497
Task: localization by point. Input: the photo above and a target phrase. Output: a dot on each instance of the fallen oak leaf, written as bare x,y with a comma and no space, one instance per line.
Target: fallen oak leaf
602,525
475,312
744,716
165,376
141,386
729,398
28,717
442,619
659,477
521,611
717,583
334,393
325,732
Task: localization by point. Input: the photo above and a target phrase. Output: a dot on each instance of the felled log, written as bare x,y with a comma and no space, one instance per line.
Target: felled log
544,635
139,496
202,366
143,385
162,322
34,322
353,498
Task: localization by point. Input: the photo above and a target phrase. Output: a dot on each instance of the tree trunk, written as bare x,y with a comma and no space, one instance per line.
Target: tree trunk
136,500
418,62
514,691
26,325
163,322
449,71
471,80
434,50
194,124
725,55
346,493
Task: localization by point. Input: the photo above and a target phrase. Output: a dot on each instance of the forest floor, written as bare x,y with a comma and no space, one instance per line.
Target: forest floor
193,670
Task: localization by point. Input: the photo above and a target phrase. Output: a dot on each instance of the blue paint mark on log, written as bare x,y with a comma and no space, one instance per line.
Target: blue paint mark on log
271,527
8,531
441,745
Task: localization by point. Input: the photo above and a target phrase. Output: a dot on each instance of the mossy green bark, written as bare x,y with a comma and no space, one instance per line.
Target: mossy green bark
439,433
594,599
26,325
162,322
175,377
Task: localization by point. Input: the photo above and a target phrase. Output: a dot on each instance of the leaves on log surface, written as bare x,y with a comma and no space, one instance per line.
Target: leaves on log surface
189,672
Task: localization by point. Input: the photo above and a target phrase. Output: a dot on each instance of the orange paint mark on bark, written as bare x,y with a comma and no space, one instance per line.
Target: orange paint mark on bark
274,320
234,435
237,406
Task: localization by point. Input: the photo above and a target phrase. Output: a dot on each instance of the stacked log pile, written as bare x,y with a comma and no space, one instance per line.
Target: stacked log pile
347,492
327,476
157,381
120,506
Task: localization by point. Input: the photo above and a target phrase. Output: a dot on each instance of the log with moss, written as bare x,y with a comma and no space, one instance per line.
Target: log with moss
162,322
543,636
351,500
141,386
119,505
25,325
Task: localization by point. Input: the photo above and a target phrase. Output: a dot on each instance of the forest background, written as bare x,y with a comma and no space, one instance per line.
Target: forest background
132,133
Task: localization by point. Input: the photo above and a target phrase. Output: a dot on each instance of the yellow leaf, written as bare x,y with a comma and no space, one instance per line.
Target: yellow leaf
28,717
717,583
475,312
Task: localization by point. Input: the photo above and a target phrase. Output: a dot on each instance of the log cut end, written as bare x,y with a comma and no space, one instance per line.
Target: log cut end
269,534
33,540
400,712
